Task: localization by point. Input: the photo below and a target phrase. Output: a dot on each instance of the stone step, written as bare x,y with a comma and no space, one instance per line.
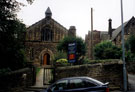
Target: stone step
34,89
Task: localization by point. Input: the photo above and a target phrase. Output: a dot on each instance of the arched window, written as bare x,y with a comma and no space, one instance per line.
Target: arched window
31,53
46,34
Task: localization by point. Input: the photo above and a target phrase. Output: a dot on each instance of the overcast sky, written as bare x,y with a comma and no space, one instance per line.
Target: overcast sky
78,13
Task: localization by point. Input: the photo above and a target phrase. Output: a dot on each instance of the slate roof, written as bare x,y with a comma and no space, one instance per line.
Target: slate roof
40,22
117,31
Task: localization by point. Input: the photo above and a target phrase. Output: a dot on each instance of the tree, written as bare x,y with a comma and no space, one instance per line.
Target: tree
11,47
130,48
12,33
106,50
130,43
80,47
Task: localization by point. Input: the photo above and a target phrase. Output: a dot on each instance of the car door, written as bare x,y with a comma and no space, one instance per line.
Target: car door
59,86
76,85
82,85
91,86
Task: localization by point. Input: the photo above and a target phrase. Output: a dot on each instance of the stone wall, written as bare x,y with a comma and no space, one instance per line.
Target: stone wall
36,50
17,81
106,72
131,67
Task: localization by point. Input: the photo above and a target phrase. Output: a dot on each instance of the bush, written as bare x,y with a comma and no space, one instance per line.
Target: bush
4,71
80,47
59,55
62,62
86,60
37,70
107,50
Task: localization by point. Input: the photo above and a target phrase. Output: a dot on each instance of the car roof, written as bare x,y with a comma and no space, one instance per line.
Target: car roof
84,77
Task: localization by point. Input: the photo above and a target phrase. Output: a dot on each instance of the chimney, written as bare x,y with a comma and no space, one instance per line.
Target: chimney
110,28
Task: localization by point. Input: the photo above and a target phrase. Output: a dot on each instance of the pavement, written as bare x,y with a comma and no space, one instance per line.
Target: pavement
131,82
39,83
39,79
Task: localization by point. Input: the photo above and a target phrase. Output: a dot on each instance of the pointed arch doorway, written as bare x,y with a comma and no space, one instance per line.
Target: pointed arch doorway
46,59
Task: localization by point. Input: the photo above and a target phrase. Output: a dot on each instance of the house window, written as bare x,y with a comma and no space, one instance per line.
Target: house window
133,24
32,53
35,35
46,34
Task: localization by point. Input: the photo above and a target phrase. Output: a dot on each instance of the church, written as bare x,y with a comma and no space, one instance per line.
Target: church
42,39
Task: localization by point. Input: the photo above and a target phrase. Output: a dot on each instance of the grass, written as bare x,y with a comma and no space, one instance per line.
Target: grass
37,70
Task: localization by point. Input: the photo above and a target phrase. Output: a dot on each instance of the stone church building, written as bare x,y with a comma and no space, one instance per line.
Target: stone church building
42,39
43,36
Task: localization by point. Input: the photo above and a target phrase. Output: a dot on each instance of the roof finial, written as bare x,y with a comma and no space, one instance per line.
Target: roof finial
48,13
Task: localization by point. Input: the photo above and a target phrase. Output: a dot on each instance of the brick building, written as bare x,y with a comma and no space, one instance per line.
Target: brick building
43,37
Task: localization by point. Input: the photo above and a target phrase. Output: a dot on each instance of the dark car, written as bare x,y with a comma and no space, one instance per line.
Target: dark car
78,84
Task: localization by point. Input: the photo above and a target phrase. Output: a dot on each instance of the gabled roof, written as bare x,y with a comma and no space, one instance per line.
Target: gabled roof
118,30
41,22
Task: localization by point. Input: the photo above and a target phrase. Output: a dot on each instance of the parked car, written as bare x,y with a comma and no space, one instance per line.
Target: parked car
78,84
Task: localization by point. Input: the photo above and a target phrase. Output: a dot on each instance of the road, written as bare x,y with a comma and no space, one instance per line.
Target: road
131,81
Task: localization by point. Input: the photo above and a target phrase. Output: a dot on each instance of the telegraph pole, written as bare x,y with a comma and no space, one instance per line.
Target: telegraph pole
91,33
123,51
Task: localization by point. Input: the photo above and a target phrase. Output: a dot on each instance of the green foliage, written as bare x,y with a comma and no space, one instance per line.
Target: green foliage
80,50
63,62
86,60
60,58
37,70
130,43
59,55
12,36
129,56
12,48
106,50
4,71
130,48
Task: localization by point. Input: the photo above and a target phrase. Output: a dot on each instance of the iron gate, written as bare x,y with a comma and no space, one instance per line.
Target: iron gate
48,75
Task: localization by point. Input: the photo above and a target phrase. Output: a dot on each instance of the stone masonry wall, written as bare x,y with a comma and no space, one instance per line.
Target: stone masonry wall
16,81
106,72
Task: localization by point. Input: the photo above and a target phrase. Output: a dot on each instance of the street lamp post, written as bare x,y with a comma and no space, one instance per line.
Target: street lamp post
123,51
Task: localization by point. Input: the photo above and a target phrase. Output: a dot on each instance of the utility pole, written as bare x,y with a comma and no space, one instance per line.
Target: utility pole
123,51
91,33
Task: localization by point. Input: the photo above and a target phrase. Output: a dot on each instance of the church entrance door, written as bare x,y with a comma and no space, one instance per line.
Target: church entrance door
46,59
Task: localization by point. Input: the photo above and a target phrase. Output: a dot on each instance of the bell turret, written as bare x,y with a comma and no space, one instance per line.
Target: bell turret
48,13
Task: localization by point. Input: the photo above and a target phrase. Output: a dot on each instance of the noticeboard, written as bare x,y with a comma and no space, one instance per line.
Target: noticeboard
72,52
